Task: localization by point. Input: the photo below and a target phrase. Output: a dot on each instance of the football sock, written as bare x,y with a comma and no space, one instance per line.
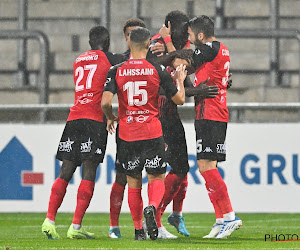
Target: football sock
220,221
84,196
156,190
172,182
217,187
177,213
58,192
116,199
180,196
76,226
135,203
229,216
51,221
218,211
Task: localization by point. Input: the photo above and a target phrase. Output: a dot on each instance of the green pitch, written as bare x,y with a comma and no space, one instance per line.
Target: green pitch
23,231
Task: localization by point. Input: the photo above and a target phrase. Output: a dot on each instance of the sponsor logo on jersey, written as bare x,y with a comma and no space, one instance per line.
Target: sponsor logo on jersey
207,150
87,58
107,81
162,67
86,147
153,163
129,119
135,62
209,44
98,151
141,118
137,112
221,148
136,72
85,101
131,164
65,146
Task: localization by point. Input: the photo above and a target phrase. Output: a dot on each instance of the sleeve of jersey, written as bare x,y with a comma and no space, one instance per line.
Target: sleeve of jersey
110,84
203,54
166,81
115,58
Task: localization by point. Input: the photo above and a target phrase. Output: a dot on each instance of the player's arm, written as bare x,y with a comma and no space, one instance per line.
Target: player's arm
106,103
177,94
165,33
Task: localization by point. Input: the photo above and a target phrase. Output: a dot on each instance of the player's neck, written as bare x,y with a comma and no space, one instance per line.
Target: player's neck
138,54
209,39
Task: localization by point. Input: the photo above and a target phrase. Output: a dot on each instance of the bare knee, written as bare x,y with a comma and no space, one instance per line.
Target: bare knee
67,170
205,165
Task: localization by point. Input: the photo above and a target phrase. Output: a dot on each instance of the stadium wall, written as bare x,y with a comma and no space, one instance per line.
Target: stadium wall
262,170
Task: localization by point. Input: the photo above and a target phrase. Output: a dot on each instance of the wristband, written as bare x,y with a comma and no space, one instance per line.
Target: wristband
167,39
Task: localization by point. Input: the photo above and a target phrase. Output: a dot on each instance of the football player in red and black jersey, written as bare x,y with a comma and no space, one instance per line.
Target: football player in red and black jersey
84,139
137,84
211,60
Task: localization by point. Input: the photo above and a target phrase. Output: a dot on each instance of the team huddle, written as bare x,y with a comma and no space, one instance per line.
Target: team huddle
150,79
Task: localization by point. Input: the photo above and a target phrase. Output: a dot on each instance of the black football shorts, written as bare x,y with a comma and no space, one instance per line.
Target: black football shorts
136,155
210,140
83,139
175,146
118,165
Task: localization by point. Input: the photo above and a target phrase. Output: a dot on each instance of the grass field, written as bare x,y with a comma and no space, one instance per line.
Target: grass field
23,231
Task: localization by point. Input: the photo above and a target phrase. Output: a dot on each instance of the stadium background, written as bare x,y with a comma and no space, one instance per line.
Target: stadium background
262,171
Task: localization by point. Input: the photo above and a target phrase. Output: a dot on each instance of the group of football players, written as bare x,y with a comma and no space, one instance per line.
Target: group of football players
150,79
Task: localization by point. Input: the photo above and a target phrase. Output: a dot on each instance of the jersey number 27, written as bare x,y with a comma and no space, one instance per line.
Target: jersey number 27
91,68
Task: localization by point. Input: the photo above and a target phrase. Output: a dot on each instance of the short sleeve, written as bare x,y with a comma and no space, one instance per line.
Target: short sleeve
204,53
111,84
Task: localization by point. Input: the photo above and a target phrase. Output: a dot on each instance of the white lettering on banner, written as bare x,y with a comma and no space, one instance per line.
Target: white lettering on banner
65,145
252,171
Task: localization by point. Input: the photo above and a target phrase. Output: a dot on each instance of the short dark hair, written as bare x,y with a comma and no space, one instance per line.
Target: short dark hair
179,28
202,24
139,36
99,37
132,22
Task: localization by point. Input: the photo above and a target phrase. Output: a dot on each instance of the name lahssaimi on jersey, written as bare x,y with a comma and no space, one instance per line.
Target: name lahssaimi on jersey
136,72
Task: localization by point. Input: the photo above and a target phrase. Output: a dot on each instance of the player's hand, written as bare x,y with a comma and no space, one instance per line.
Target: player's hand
229,82
180,73
207,91
165,31
158,48
110,127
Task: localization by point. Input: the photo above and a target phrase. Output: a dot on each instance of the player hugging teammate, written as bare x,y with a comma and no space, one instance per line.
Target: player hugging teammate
150,133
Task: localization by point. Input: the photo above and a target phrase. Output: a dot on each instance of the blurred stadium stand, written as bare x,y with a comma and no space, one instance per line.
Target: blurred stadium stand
66,24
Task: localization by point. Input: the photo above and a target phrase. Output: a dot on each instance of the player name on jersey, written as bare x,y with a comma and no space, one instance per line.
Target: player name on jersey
136,72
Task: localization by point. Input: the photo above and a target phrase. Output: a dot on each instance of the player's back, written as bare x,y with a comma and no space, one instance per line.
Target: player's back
138,84
89,72
217,70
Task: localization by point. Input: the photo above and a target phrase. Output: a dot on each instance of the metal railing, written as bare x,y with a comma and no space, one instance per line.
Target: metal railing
237,108
44,55
263,34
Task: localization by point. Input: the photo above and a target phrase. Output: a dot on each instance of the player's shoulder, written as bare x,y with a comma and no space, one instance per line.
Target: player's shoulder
115,58
159,67
115,67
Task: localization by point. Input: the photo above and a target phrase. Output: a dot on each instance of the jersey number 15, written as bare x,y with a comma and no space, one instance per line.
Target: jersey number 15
134,92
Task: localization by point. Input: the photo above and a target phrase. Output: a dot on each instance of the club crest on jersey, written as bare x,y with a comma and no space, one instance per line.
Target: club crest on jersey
65,146
86,146
141,118
129,119
153,163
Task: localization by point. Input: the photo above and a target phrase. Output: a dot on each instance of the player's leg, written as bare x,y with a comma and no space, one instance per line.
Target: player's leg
116,195
135,203
176,218
58,191
84,196
210,149
155,164
177,157
116,200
